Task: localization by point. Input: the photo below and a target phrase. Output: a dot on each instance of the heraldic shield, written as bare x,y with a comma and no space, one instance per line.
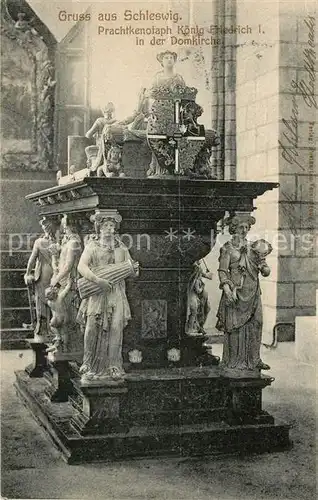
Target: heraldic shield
175,138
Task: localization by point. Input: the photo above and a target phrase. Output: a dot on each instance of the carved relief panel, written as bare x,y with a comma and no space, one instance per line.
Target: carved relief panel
27,92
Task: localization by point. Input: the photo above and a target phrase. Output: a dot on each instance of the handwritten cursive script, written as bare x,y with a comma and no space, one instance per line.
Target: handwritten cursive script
289,150
307,88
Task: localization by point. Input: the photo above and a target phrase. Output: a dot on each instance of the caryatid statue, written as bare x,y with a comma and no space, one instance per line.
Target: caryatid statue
240,310
42,261
104,311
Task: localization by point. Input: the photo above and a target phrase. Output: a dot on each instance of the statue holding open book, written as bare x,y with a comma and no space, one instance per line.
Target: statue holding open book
104,311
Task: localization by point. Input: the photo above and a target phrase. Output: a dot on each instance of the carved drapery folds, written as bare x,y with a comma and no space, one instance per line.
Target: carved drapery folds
27,88
239,314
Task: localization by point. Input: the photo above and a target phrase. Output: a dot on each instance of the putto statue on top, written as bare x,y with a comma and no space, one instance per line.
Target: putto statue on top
97,155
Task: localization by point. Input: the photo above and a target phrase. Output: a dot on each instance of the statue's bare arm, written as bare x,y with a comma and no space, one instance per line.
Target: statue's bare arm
86,272
31,262
83,266
95,128
71,255
65,290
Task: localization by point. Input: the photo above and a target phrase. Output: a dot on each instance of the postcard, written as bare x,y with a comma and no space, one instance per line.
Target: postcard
159,249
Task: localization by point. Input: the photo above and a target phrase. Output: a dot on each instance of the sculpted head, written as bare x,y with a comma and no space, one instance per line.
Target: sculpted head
49,226
69,224
114,154
167,59
108,110
107,222
240,224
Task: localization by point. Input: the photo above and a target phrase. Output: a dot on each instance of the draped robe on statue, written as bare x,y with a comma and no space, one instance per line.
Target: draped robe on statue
241,321
104,315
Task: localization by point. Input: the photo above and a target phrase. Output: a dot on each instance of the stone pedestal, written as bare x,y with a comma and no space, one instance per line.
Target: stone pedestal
99,409
178,412
40,363
61,386
174,400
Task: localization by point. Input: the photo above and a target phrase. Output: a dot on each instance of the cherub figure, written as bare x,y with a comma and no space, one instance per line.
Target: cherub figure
97,130
198,301
55,296
98,125
113,166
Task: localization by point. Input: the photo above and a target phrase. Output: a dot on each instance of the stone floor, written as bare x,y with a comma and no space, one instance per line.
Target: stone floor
32,468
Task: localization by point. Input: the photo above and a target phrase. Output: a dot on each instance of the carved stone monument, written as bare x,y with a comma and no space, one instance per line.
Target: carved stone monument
240,310
147,384
39,271
104,311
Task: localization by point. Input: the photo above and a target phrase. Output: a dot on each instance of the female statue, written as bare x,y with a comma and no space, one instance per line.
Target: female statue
41,260
105,313
240,309
167,77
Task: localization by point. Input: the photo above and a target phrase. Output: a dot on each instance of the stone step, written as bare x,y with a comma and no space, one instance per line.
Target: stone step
12,278
14,297
14,260
143,440
306,339
15,338
14,317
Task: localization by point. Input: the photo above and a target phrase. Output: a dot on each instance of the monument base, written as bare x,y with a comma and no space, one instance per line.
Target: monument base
180,412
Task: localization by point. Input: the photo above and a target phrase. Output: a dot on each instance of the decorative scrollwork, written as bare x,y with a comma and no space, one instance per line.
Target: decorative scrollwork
174,92
21,32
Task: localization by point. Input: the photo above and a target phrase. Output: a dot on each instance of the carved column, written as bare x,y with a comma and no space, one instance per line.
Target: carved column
224,79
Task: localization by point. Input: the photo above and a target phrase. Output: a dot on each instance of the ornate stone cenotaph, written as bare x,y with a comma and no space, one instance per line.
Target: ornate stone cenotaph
128,372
